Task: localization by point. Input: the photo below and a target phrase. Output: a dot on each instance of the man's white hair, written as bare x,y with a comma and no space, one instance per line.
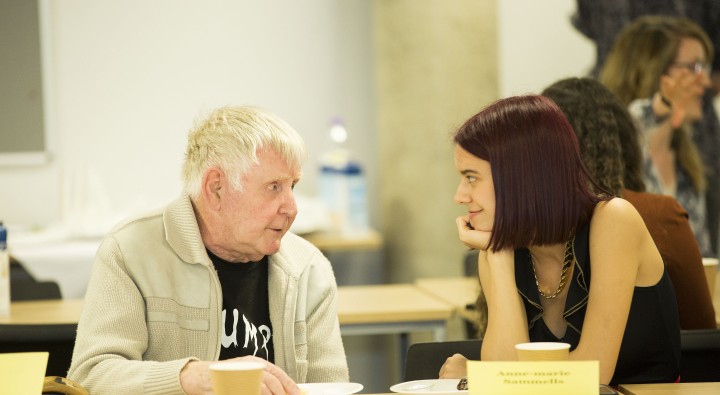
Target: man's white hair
230,138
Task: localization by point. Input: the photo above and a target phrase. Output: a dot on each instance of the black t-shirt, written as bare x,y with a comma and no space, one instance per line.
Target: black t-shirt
245,312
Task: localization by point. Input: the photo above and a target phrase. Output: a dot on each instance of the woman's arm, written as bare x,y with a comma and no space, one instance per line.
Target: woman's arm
622,256
507,322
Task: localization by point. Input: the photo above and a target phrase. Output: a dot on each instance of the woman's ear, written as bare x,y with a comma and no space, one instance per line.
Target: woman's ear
213,184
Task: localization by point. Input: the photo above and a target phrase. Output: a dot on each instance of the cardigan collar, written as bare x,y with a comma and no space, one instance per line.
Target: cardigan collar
183,234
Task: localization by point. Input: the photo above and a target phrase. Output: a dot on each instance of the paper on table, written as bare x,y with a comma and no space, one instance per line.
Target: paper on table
23,373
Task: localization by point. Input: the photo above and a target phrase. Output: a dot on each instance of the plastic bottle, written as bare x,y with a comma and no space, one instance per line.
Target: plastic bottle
4,273
341,185
358,217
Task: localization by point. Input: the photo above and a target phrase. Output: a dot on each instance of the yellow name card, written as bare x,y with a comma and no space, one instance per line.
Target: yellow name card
533,378
23,373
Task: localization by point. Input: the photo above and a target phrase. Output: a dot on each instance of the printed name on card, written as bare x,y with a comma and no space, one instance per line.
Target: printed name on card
533,378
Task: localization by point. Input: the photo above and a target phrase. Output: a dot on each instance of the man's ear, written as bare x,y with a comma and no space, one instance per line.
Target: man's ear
213,184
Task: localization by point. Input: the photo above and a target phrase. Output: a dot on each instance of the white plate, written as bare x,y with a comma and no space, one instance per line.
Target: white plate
331,388
435,387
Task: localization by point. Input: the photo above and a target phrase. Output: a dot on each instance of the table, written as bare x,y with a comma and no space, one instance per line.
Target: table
391,308
362,310
326,241
459,292
55,311
397,309
671,389
366,309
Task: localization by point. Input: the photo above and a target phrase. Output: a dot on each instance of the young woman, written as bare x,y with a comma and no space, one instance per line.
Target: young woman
558,261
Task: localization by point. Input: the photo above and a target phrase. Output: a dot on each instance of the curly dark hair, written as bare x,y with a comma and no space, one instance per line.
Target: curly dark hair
606,132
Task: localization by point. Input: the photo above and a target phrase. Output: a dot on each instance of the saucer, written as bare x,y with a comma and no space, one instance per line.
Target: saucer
434,387
331,388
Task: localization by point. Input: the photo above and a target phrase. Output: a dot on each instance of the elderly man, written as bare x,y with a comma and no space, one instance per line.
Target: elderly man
215,275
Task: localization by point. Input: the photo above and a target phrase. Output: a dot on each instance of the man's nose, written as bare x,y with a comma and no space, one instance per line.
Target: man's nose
289,206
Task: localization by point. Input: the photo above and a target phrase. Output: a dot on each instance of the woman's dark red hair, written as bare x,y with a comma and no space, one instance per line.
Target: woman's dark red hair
543,191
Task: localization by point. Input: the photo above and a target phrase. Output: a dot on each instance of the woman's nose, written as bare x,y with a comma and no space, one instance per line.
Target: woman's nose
461,194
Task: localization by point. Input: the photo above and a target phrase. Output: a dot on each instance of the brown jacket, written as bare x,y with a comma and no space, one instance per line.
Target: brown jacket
668,225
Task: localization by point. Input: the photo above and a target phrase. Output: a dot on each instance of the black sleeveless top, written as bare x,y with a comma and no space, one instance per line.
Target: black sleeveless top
650,349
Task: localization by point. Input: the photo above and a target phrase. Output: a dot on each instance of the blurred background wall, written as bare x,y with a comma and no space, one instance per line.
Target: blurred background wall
124,81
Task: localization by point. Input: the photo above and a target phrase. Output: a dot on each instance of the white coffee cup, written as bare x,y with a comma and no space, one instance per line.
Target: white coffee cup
237,377
542,351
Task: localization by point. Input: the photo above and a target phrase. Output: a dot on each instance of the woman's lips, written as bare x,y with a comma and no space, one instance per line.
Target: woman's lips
472,214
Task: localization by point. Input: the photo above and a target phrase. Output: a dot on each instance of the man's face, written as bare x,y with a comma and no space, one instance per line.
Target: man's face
254,221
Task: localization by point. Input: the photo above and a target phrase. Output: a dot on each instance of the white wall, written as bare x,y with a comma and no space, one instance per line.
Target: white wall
538,45
126,79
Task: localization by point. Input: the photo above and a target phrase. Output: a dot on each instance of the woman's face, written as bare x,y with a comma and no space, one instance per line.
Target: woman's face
692,59
476,189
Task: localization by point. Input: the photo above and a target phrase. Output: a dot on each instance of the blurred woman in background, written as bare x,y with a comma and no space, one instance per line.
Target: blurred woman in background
659,68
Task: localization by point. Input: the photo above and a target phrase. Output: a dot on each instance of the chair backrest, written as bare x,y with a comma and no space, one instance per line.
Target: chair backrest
57,339
34,290
18,272
424,360
700,355
470,263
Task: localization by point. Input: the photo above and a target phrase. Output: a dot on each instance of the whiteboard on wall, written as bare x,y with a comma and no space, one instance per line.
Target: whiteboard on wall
22,121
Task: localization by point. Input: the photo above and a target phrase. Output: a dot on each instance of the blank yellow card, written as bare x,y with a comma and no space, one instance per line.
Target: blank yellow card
23,373
533,378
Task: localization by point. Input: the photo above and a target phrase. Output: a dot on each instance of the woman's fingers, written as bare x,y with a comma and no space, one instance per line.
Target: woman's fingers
474,239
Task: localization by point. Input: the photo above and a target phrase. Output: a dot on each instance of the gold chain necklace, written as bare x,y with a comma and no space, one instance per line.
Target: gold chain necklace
569,258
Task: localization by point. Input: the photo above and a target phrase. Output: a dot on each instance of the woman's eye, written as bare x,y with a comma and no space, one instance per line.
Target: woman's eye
471,179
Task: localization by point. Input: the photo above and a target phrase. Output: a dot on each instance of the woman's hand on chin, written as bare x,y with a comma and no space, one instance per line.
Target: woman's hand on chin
474,239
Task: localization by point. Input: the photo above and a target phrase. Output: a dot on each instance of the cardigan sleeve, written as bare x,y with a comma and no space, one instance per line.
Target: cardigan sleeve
113,335
326,354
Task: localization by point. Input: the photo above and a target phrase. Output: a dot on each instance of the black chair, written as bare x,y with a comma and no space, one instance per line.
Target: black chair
700,355
23,286
57,339
18,271
424,360
470,263
34,290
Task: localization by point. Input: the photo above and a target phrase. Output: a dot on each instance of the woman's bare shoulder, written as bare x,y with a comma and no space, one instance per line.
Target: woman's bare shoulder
618,214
